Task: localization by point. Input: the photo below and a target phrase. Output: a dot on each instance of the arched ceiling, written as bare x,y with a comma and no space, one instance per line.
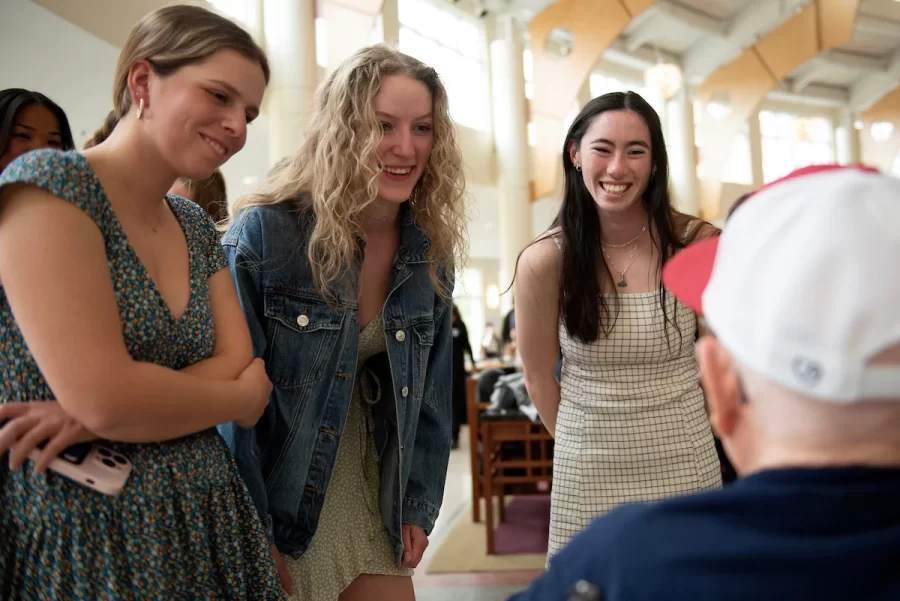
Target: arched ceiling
702,35
706,34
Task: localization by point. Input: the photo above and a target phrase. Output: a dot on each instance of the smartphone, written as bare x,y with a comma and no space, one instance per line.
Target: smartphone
91,465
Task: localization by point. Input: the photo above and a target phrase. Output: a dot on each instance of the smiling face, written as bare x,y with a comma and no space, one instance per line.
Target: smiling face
200,113
35,127
615,159
404,108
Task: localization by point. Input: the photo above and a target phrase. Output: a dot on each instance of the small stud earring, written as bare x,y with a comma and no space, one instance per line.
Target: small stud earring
140,110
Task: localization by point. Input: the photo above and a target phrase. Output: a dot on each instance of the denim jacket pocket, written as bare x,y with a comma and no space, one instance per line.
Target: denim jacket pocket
302,334
424,340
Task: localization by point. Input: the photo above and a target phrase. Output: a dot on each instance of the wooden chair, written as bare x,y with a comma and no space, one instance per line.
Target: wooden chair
517,455
473,411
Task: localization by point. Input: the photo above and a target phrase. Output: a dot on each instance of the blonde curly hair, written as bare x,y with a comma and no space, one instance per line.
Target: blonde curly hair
335,173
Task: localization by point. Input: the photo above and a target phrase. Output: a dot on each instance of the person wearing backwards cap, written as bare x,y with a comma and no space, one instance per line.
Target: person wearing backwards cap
802,377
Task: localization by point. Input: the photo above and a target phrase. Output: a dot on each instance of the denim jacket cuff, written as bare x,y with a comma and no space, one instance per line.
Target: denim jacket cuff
267,525
419,513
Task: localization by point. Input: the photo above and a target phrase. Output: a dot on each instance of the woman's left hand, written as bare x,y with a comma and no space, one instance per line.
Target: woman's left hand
32,423
415,541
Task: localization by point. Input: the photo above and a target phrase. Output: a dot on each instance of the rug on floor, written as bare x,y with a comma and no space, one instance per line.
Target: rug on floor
520,542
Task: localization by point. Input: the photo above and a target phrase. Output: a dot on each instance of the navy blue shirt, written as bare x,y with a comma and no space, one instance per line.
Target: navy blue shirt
781,535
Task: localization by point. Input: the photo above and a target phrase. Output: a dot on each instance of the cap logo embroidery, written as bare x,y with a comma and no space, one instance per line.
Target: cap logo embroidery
806,370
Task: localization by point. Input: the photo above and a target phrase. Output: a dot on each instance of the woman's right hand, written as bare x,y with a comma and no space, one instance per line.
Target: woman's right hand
27,425
256,382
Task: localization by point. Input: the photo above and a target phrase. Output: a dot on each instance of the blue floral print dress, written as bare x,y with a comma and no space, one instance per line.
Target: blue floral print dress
184,527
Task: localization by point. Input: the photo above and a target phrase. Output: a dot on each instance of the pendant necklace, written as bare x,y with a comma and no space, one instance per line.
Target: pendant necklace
622,283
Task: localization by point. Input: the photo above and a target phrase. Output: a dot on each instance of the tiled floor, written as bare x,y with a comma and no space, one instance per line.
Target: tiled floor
496,586
466,593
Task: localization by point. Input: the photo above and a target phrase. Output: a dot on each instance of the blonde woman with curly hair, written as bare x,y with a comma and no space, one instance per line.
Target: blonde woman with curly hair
344,261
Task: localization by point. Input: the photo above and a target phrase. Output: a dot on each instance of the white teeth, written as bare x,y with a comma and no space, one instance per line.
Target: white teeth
396,171
218,148
614,189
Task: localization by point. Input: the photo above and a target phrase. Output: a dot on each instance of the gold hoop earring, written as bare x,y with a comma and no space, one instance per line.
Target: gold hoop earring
140,108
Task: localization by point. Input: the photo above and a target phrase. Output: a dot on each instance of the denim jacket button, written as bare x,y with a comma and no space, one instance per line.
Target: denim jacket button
303,321
404,391
400,336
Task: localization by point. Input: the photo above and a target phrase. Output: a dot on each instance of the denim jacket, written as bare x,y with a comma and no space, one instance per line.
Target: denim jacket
310,349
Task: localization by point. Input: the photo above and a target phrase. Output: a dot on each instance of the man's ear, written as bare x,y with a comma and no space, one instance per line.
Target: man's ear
720,384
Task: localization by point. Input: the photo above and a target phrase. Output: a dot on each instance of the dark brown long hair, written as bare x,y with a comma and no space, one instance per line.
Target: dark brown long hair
14,100
586,312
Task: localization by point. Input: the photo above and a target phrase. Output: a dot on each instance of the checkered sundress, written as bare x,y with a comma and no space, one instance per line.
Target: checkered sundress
632,424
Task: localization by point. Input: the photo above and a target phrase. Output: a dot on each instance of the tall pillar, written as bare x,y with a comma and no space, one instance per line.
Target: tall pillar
756,153
390,22
289,28
681,145
511,141
847,147
584,94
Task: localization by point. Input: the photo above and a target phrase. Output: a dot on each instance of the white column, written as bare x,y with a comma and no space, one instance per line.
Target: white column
390,22
584,94
289,28
511,141
680,144
756,151
847,146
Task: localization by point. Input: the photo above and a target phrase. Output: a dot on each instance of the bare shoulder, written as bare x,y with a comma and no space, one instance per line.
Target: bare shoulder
693,229
541,259
706,230
26,198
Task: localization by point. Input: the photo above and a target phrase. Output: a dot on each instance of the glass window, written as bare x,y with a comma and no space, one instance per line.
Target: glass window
791,141
375,37
454,46
601,84
242,11
468,297
895,166
739,168
528,64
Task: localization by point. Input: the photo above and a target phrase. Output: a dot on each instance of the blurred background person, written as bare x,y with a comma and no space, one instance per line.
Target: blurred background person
209,193
29,121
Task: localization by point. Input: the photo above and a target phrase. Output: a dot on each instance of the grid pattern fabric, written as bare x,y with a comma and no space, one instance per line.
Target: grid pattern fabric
632,423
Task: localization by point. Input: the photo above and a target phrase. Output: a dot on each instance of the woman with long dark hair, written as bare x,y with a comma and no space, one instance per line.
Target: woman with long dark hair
29,121
628,411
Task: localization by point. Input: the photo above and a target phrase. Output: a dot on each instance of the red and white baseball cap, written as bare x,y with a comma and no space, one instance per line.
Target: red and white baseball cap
803,286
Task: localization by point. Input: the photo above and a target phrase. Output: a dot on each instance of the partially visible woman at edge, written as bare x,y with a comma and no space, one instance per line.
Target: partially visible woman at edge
628,412
344,264
118,307
29,121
